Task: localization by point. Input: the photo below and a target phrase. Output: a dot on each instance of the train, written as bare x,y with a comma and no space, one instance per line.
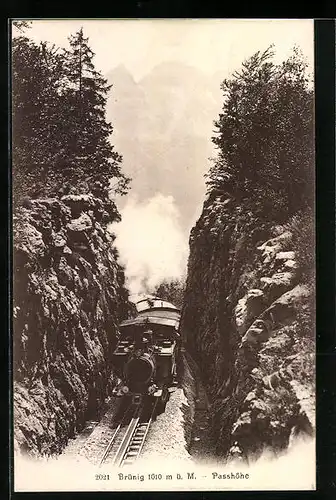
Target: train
145,357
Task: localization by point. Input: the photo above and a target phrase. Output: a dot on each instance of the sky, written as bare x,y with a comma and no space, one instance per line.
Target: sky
209,44
151,241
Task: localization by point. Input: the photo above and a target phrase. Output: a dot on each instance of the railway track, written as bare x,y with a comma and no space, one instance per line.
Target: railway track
129,436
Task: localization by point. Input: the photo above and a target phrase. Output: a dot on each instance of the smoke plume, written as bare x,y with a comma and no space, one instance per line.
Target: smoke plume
151,243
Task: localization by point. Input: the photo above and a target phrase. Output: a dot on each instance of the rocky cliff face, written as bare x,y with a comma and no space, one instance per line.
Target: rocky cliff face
247,320
68,298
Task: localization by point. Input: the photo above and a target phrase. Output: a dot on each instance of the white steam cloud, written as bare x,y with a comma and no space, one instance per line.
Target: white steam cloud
151,243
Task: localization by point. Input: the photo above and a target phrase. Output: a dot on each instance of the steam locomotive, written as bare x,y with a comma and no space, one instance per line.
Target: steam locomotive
145,356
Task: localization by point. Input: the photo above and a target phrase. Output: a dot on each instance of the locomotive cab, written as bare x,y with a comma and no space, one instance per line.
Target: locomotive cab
145,356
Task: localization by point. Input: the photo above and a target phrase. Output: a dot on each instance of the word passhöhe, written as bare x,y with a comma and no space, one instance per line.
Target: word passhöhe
230,475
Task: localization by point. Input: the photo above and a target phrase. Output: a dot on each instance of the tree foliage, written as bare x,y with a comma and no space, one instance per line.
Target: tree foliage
171,290
302,226
61,139
265,137
22,25
36,111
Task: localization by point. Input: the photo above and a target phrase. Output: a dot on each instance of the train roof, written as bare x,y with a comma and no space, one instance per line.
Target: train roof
151,303
154,310
159,316
150,320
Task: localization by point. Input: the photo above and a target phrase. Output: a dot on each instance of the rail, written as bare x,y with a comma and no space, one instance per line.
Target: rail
133,446
128,439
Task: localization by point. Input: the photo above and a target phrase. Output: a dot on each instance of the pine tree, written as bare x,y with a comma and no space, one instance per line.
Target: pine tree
61,139
91,156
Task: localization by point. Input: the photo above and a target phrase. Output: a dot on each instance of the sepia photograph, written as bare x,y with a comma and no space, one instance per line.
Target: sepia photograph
163,221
